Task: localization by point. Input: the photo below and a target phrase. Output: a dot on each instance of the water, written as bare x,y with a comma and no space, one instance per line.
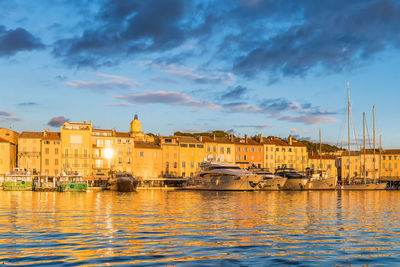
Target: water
194,228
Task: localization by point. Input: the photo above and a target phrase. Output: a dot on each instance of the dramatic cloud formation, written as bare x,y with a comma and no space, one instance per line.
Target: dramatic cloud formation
166,97
57,121
14,41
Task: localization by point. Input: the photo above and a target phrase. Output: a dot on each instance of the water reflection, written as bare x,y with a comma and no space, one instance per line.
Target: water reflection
181,227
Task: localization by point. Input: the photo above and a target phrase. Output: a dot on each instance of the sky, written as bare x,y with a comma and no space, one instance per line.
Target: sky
244,66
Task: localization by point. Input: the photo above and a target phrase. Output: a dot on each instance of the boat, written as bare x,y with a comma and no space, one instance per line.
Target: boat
224,177
321,181
71,182
357,183
122,182
18,180
270,181
295,180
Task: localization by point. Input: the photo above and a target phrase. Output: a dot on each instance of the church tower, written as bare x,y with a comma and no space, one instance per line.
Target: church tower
136,125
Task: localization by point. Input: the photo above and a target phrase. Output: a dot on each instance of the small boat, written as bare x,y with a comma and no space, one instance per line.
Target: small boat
18,180
223,177
122,182
295,180
71,182
360,184
270,181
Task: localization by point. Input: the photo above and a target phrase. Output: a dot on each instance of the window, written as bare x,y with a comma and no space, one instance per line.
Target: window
155,154
56,162
46,162
98,163
99,143
238,157
108,142
47,142
390,157
128,160
120,151
214,149
56,142
119,141
66,152
184,145
128,141
46,150
183,164
252,149
245,157
383,165
238,149
141,153
395,165
200,146
283,149
208,149
167,165
120,160
290,150
259,150
395,157
128,151
329,166
168,141
390,166
175,165
76,153
277,149
228,150
222,150
191,164
192,145
245,149
383,157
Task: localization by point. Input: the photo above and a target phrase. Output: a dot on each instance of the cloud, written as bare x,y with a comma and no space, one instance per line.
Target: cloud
173,98
194,75
5,113
14,41
28,104
163,80
112,82
302,131
57,121
309,119
234,93
259,127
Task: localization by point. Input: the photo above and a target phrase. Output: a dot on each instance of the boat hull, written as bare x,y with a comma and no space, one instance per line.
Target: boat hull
72,187
272,184
126,184
379,186
322,184
224,183
18,186
295,184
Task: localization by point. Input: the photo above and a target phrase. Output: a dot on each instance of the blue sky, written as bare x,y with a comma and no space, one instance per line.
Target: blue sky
272,67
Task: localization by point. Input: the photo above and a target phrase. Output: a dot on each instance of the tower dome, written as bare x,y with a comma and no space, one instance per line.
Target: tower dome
136,125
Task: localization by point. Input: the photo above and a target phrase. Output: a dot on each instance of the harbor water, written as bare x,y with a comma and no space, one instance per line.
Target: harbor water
195,228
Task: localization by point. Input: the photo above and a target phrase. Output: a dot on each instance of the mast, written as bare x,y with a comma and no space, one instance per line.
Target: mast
320,150
373,116
348,129
365,178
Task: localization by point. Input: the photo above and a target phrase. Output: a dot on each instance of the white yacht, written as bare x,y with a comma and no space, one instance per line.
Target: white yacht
270,181
321,181
223,176
295,180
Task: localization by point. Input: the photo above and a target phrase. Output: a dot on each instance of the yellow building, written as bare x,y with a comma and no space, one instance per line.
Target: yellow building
359,161
137,133
8,150
325,163
76,141
219,149
29,151
170,155
390,163
123,152
50,154
147,160
191,155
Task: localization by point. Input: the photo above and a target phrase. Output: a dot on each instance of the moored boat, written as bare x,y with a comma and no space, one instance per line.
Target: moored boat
122,182
320,181
71,182
270,181
18,180
295,180
224,177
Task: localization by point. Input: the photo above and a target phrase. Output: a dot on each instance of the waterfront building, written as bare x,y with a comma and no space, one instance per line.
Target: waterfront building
147,160
219,149
50,154
123,150
358,163
324,162
389,163
8,150
248,153
291,153
170,155
191,155
76,143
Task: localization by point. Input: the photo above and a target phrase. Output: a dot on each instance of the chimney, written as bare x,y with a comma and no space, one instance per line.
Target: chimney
84,121
201,138
214,137
245,138
44,132
290,140
260,137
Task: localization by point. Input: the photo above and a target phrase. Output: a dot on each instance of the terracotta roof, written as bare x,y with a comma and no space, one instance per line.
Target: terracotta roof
3,140
31,135
187,139
316,156
52,136
121,134
221,140
250,142
391,151
149,145
9,130
282,142
102,130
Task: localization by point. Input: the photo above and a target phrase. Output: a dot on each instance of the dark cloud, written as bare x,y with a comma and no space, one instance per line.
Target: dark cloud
234,93
57,121
28,104
14,41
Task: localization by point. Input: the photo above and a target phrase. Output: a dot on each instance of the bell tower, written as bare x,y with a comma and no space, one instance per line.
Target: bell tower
136,125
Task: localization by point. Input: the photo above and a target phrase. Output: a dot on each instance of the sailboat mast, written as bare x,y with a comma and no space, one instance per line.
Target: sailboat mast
320,150
348,129
365,178
373,116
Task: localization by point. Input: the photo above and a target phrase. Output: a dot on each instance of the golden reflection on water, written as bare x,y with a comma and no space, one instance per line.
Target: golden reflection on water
155,226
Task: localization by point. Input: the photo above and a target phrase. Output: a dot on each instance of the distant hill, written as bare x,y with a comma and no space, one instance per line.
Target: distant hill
314,147
209,134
